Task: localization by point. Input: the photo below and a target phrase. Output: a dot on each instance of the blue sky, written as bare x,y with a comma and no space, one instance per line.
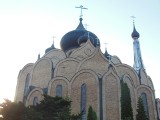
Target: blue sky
27,27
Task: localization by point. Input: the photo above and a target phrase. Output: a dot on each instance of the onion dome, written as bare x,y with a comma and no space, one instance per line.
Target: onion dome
135,34
74,38
85,37
107,55
50,48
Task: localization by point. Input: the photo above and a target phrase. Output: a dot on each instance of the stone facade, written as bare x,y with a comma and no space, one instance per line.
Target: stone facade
87,65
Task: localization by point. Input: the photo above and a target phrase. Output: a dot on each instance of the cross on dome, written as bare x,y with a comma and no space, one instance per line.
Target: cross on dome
81,7
135,34
105,46
133,17
86,25
53,39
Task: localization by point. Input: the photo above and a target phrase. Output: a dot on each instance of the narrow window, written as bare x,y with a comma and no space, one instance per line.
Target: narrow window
145,103
26,88
35,101
59,90
83,100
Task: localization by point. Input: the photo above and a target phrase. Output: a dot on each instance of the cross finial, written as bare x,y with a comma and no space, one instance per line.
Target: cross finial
105,46
133,17
53,38
88,34
86,26
81,7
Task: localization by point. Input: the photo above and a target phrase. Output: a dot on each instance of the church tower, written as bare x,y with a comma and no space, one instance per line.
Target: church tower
138,63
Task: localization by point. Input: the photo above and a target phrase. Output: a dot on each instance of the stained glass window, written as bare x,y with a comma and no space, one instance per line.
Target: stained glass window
35,101
83,100
145,103
26,88
59,90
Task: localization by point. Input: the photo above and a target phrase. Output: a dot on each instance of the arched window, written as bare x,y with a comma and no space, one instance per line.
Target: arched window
83,100
59,90
26,88
35,101
145,103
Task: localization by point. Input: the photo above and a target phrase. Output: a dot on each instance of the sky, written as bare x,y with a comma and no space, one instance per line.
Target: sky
27,28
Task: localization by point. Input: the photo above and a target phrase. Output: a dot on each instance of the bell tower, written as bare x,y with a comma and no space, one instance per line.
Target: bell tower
138,62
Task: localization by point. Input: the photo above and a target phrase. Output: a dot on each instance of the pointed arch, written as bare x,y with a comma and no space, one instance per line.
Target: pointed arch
149,96
31,98
22,77
123,69
66,68
111,96
96,62
42,73
54,90
91,81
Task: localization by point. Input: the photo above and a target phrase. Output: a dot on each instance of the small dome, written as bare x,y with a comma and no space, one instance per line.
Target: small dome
107,55
50,48
73,38
135,34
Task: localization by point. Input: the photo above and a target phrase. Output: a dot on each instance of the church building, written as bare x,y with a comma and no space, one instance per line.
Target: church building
80,71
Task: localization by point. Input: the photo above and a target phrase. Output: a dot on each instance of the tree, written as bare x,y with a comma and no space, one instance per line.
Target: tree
50,108
126,106
141,114
55,108
32,114
91,114
18,111
12,111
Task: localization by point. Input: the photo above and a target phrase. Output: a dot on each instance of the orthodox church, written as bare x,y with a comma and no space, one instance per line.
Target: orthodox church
80,71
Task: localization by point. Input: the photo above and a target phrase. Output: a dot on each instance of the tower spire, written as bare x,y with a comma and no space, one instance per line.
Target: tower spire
138,62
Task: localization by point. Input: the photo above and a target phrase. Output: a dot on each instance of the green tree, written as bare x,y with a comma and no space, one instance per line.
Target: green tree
12,111
126,106
50,108
55,108
32,114
91,114
141,114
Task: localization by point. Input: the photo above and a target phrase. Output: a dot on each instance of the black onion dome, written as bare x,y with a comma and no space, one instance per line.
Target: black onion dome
72,39
88,36
50,48
135,34
107,55
84,38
